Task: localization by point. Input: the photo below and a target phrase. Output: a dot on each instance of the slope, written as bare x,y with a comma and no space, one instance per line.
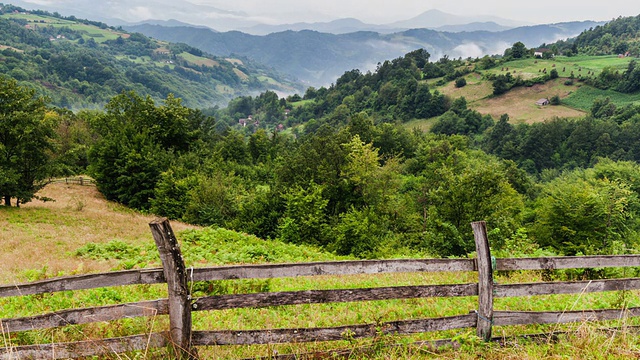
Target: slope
82,64
319,58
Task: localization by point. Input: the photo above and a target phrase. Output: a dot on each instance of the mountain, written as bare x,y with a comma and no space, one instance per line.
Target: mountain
319,58
340,26
83,64
169,23
474,26
433,19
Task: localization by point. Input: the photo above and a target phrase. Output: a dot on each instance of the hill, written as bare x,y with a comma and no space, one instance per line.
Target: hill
81,232
319,58
82,64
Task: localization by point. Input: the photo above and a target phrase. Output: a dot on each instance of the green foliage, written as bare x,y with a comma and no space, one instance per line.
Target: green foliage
75,71
137,142
461,120
461,82
26,141
305,216
129,256
583,213
517,51
456,186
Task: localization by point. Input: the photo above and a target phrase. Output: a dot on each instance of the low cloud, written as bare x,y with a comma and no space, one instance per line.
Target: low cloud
468,50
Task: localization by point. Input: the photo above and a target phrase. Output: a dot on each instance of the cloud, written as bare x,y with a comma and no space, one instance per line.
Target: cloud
140,13
468,50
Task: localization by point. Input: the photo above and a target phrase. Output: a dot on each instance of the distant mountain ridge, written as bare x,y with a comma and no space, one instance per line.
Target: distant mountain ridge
319,58
433,19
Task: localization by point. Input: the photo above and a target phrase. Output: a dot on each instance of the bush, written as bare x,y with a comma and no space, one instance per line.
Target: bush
461,82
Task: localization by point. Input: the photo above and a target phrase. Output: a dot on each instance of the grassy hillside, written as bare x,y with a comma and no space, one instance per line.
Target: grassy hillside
520,102
82,64
80,232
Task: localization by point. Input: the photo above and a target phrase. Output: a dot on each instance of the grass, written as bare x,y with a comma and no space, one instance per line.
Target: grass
198,60
81,232
88,31
584,96
423,125
519,103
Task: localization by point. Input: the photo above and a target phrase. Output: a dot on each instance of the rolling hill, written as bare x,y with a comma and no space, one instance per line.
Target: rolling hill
82,64
319,58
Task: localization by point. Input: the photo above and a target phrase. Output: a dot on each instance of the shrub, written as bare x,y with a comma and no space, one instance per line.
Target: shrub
461,82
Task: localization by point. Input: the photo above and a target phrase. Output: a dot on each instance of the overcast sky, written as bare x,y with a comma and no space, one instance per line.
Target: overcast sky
369,11
384,11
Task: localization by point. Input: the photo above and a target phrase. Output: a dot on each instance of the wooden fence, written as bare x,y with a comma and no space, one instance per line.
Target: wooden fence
82,181
179,305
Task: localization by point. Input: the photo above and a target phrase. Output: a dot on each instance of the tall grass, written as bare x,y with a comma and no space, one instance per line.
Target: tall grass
132,246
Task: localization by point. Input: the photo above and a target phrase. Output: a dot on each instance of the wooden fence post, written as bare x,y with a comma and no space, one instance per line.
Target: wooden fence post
179,298
485,281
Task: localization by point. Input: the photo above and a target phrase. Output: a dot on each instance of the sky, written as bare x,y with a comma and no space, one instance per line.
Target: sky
368,11
385,11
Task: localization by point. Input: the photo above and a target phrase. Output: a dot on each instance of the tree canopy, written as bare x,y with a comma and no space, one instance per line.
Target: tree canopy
26,142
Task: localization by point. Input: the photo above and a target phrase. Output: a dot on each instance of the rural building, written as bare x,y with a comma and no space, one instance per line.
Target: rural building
542,102
540,53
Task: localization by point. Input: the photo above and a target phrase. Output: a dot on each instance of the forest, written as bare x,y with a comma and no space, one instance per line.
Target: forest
82,64
335,167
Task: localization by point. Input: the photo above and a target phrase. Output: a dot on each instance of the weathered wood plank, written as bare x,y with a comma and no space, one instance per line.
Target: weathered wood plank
560,317
155,276
86,315
327,296
331,268
160,307
179,300
566,287
569,262
82,282
85,348
280,336
485,280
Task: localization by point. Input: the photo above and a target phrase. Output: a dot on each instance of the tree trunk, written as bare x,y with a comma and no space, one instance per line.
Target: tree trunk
7,200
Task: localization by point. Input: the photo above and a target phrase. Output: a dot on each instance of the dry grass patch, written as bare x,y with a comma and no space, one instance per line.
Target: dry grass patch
44,235
520,103
476,89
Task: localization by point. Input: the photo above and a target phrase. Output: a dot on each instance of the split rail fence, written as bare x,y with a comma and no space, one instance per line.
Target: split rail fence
179,305
82,181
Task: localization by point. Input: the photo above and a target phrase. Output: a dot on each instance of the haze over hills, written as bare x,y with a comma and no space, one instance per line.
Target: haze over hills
431,19
119,12
319,58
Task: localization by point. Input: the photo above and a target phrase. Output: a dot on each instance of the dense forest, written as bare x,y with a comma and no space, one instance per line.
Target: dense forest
83,64
336,168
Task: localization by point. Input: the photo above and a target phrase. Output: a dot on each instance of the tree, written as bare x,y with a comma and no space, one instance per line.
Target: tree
137,142
26,141
518,50
590,211
461,82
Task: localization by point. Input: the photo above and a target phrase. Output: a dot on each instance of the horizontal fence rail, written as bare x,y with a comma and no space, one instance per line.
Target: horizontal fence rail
75,181
261,300
181,305
270,271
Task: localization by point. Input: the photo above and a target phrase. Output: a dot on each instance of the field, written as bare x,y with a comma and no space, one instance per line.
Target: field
81,232
519,103
88,31
198,60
